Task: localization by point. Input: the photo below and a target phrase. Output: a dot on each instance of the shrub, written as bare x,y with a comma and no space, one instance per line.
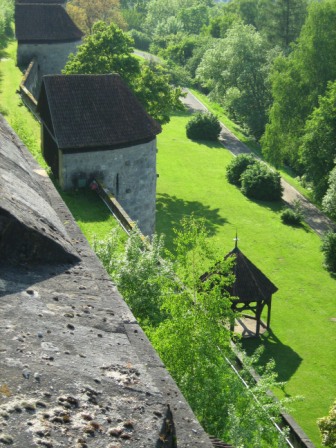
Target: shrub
293,216
203,126
288,216
260,182
329,250
141,40
237,166
327,427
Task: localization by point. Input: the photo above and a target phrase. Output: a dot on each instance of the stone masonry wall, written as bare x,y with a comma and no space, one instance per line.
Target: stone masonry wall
129,173
51,57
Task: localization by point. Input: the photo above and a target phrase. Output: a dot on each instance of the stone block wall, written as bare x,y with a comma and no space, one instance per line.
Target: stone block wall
51,57
129,173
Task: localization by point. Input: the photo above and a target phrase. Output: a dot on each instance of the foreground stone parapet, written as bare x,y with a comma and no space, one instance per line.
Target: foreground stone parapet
76,370
30,230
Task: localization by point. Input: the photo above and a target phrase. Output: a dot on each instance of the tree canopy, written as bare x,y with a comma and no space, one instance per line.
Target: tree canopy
6,17
109,50
297,81
85,13
235,70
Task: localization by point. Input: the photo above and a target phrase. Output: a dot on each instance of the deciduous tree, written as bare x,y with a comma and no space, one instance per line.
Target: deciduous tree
298,80
87,12
109,50
236,70
318,150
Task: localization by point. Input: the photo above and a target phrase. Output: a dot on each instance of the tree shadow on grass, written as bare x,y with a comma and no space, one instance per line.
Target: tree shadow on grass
170,210
287,361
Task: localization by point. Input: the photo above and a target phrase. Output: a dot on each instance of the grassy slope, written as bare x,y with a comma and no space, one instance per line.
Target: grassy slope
192,179
302,341
286,172
91,215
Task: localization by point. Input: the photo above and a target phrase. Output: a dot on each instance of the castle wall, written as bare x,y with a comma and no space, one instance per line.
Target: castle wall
51,57
129,173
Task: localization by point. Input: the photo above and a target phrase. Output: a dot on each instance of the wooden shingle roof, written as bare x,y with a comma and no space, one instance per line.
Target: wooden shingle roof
88,111
44,23
250,283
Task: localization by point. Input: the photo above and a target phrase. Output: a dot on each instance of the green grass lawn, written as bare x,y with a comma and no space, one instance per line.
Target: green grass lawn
302,340
286,172
192,179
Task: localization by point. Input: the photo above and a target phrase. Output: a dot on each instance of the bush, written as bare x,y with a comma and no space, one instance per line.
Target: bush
259,182
237,166
203,126
288,216
293,216
141,40
329,250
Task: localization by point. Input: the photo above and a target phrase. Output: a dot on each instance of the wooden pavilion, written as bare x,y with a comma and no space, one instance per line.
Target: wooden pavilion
251,290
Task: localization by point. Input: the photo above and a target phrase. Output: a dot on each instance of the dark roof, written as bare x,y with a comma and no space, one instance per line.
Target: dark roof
44,23
38,2
90,111
250,284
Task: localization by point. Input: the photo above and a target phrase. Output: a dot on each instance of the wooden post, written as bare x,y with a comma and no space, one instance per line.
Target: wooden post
269,306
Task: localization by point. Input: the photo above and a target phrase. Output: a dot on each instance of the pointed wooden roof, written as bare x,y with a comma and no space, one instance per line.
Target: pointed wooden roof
90,111
250,283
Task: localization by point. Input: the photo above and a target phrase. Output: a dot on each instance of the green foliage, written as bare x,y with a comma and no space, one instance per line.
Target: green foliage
141,40
134,18
188,321
327,426
329,250
297,81
329,199
260,182
108,49
293,216
235,70
155,93
203,126
194,17
281,20
318,148
139,272
6,18
220,24
237,167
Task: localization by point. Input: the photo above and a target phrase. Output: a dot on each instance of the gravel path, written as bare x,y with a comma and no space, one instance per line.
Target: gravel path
313,216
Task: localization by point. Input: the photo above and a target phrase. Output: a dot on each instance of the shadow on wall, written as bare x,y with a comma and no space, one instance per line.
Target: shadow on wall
170,210
287,361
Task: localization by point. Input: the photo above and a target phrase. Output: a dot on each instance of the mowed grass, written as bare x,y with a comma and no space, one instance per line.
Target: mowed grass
302,340
192,179
92,216
254,146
